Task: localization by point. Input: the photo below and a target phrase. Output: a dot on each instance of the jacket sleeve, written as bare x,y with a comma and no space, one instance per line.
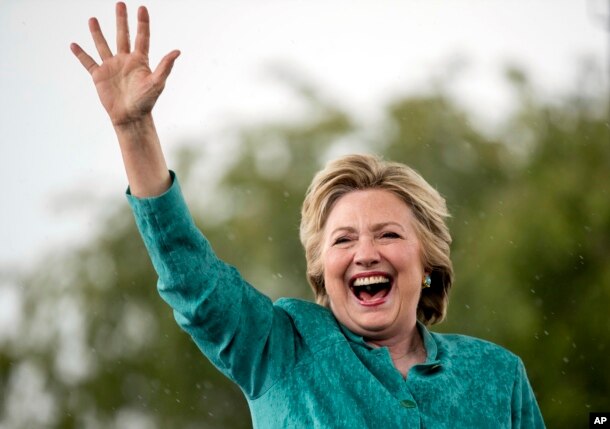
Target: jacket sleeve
525,411
238,328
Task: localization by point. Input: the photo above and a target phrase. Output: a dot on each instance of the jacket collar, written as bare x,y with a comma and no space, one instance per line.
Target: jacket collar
429,343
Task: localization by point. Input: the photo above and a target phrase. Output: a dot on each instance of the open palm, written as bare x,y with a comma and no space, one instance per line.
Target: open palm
127,87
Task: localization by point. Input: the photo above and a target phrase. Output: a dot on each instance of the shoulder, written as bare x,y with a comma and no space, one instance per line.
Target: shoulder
467,351
306,314
297,306
314,323
454,341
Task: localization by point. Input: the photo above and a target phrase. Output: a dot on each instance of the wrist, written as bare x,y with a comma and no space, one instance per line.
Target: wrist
138,126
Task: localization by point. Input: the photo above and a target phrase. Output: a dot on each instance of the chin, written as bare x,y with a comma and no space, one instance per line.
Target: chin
371,325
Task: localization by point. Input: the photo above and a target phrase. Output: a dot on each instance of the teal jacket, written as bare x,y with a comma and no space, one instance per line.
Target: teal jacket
300,368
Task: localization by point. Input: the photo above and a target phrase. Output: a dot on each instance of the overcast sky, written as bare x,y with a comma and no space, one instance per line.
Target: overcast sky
56,141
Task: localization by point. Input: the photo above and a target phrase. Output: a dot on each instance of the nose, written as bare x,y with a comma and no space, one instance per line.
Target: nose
367,253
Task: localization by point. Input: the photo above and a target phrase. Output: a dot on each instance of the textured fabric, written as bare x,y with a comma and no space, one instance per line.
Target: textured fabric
299,368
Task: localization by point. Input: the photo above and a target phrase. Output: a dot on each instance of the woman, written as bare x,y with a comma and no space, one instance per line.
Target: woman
377,250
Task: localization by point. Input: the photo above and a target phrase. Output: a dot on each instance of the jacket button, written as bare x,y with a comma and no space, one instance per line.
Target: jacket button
407,403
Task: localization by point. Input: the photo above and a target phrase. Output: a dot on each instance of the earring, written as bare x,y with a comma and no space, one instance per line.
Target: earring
426,282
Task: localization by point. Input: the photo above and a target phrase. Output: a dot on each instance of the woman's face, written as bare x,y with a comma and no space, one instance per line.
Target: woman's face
372,264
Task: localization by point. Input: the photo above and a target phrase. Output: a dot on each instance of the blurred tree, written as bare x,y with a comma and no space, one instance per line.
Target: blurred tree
104,349
534,272
531,227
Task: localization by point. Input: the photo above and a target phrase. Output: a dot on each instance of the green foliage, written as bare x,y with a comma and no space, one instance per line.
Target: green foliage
531,228
542,278
265,188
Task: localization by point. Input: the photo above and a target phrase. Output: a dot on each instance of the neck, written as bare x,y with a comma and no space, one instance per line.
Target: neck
406,351
400,345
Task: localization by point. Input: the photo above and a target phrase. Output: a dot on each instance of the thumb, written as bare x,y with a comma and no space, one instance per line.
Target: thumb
165,67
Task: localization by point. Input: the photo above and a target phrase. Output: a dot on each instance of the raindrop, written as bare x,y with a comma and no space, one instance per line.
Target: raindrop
565,359
467,306
546,333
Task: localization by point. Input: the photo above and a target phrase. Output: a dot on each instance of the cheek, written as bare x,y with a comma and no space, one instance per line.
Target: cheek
335,265
328,262
408,256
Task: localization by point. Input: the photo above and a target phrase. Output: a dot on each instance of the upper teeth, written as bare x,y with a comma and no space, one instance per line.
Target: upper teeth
363,281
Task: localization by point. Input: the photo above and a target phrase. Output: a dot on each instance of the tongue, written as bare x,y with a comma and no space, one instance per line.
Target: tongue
366,296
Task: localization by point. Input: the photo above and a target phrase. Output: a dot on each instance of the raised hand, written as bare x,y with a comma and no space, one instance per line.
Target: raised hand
127,87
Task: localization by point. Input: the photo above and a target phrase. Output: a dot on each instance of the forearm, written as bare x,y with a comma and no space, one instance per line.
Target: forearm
143,158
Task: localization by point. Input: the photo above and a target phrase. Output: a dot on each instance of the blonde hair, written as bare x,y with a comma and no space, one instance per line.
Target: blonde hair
360,172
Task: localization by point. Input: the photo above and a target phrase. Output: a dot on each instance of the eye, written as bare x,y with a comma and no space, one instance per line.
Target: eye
341,240
390,234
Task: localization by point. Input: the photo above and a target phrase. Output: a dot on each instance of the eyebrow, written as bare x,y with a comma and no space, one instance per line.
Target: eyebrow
376,227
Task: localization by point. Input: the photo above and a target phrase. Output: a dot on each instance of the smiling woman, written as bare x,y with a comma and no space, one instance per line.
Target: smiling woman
427,214
370,259
377,250
377,245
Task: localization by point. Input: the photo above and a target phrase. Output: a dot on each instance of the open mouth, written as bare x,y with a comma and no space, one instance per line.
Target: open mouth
371,288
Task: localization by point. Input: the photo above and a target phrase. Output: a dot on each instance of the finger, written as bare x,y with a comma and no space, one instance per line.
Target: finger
143,35
122,29
86,60
98,38
165,67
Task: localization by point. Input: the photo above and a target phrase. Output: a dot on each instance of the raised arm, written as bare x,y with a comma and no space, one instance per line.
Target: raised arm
237,327
128,90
